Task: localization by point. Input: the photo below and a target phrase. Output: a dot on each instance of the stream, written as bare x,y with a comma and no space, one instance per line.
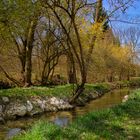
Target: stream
63,118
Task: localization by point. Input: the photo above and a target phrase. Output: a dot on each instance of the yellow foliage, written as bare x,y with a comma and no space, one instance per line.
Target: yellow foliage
89,30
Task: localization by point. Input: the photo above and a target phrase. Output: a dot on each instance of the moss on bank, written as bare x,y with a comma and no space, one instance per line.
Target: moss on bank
120,122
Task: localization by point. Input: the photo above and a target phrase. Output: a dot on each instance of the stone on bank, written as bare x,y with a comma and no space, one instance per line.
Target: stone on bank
10,108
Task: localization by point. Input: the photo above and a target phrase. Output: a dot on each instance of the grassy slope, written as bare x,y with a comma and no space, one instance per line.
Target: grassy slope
118,123
61,91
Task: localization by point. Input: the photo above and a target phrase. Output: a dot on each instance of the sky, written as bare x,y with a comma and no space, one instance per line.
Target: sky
132,14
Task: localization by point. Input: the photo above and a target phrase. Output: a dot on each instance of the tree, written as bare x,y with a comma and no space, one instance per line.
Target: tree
130,37
51,28
21,28
69,15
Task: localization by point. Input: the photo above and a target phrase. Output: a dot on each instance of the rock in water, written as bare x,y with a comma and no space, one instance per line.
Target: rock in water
125,98
13,132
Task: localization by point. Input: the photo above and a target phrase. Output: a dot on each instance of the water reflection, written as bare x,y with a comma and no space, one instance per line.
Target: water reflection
65,117
61,121
108,100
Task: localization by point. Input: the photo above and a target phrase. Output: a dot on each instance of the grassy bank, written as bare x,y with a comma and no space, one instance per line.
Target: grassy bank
118,123
66,90
58,91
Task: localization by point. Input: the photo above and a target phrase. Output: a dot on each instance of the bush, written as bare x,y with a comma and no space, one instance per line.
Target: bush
57,80
5,85
134,82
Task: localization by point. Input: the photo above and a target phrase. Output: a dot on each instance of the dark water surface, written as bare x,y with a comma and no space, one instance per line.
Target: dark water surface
63,118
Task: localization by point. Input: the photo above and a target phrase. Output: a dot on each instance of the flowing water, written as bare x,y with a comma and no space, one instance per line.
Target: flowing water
63,118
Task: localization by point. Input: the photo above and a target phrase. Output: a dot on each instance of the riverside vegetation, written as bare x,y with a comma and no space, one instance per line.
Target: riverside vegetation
19,102
56,42
119,122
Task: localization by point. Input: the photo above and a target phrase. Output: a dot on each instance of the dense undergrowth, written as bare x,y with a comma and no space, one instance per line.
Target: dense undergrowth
121,122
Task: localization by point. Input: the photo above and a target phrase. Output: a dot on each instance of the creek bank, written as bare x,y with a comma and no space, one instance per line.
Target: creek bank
118,122
12,107
16,107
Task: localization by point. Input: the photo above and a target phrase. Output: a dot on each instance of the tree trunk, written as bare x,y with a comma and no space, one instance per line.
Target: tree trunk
29,48
43,74
28,68
22,75
71,72
79,90
85,64
22,58
99,9
128,75
9,77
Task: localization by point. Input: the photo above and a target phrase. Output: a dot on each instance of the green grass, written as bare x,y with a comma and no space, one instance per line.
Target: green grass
121,122
60,91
